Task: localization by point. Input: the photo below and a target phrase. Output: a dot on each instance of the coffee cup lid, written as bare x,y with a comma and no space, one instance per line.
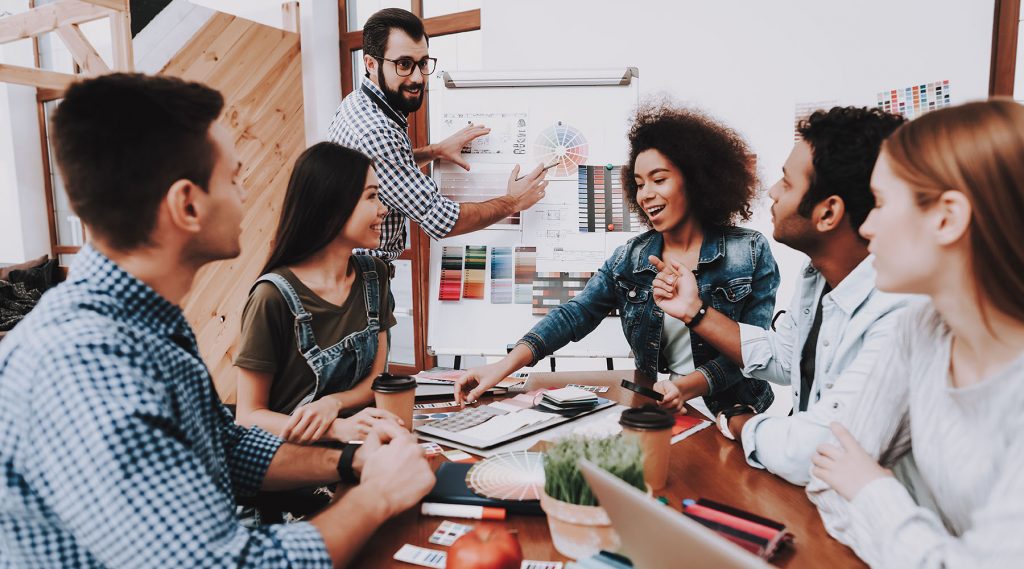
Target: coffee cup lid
387,383
647,418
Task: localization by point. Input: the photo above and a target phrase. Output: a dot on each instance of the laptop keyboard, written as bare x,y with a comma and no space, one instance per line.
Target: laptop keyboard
464,419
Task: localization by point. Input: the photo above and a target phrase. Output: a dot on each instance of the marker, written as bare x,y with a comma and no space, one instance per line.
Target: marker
544,169
461,511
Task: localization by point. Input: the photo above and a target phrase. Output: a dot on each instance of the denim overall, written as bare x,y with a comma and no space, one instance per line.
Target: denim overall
339,367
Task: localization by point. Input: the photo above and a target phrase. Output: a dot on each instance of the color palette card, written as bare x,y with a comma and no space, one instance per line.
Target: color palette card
422,556
602,205
502,275
563,144
476,263
915,100
448,532
526,269
451,273
554,289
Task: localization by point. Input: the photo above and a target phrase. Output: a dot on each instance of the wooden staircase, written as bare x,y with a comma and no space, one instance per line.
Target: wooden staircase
259,71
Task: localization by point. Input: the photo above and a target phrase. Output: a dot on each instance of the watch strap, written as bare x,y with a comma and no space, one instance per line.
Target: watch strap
345,470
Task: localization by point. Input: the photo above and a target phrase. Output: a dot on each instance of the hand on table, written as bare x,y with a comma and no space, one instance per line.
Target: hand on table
847,468
358,426
394,467
476,381
675,289
450,149
310,422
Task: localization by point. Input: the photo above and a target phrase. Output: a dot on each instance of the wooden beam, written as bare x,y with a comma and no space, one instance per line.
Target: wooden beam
44,94
290,16
47,18
1004,48
119,5
121,41
83,51
35,77
458,22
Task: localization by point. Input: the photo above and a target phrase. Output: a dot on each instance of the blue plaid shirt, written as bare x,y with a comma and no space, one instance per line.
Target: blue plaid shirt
114,449
407,192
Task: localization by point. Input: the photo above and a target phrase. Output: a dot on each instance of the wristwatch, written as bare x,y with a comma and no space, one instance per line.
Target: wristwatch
723,418
345,470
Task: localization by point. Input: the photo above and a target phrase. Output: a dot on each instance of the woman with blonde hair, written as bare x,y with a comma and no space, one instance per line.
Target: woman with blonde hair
949,192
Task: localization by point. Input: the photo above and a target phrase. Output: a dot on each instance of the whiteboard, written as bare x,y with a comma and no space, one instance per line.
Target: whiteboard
530,116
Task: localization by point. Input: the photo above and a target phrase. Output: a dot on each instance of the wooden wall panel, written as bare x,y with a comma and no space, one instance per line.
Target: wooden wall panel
259,71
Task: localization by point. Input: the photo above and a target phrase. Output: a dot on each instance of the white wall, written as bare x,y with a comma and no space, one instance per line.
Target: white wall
748,62
24,233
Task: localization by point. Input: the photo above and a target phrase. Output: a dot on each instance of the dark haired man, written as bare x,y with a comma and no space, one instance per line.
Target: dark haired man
828,341
114,449
373,119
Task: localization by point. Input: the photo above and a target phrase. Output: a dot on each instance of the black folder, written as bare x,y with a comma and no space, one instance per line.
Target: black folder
451,489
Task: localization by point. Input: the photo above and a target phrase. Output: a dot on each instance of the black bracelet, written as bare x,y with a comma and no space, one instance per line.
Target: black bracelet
699,316
345,470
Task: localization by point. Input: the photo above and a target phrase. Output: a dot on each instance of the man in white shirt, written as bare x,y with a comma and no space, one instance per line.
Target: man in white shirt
827,343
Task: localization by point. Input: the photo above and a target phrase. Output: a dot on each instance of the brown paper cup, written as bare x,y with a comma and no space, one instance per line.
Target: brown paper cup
396,394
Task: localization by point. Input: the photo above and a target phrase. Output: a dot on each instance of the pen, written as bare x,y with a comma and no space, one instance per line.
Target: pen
461,511
544,169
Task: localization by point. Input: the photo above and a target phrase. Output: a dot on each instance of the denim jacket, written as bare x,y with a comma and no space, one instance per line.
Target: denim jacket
736,274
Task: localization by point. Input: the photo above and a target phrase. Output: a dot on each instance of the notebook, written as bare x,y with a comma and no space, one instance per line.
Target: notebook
451,488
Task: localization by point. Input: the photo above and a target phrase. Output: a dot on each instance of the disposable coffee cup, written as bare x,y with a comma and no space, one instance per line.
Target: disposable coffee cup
651,427
396,393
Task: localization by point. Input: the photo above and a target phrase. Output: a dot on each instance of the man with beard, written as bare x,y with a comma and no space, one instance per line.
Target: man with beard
828,342
373,120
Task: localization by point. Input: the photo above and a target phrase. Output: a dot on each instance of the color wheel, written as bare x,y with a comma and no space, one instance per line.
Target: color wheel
508,476
564,144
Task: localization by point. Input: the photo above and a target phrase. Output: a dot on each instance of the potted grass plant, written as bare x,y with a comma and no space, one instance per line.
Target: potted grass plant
579,526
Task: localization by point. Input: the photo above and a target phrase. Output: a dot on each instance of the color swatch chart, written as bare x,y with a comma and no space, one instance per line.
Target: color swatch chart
554,289
564,145
602,207
451,273
464,269
476,265
484,182
913,101
502,275
526,268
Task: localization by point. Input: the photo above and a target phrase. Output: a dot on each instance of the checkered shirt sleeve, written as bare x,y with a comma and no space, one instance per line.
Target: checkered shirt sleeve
405,188
114,449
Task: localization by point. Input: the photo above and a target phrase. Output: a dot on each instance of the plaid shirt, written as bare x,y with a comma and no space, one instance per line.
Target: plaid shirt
114,449
361,124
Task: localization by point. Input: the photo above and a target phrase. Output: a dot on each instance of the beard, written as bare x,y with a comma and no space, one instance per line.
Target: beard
397,99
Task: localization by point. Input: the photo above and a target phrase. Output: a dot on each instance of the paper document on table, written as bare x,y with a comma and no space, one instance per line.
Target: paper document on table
505,424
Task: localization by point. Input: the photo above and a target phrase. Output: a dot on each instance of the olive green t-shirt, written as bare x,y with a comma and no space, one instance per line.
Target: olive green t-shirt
268,331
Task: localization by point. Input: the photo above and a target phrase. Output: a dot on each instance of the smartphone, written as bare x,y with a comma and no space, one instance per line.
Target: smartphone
642,390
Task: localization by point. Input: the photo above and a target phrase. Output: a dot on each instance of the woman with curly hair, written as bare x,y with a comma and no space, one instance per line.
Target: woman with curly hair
689,178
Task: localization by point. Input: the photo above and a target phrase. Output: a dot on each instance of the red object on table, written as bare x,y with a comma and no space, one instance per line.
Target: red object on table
485,548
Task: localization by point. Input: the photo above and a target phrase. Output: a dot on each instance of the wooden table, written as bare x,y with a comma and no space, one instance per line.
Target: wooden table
705,465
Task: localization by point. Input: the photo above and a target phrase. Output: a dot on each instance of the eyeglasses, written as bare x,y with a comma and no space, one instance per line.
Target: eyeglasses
405,65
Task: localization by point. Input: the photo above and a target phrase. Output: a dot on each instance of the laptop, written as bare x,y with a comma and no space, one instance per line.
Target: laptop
654,535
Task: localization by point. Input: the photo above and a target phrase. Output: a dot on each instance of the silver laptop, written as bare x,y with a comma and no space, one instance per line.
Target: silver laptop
655,536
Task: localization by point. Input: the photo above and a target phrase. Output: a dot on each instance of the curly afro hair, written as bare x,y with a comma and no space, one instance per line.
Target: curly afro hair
719,171
845,142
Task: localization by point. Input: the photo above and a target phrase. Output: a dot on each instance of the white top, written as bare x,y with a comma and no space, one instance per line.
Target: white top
675,341
856,325
968,444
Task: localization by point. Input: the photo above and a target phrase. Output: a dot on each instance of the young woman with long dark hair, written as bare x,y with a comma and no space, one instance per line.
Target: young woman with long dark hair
314,329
